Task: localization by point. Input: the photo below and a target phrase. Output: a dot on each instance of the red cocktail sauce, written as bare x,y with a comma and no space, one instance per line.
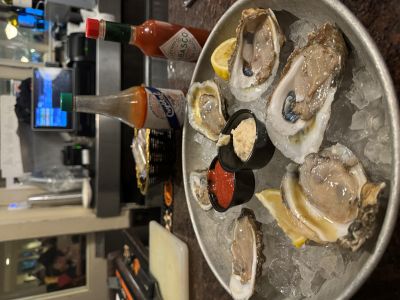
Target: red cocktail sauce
221,184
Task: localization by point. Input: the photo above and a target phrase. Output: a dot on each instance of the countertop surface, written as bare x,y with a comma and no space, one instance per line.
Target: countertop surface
381,18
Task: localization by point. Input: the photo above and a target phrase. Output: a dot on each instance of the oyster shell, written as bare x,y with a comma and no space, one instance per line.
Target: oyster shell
330,195
205,109
255,60
247,256
300,106
198,186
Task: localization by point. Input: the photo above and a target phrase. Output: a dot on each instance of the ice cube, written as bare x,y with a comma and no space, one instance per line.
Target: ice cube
359,120
310,282
224,90
356,97
369,86
332,265
224,233
338,126
383,134
284,277
365,88
199,138
205,142
378,152
316,264
299,31
369,119
207,149
282,274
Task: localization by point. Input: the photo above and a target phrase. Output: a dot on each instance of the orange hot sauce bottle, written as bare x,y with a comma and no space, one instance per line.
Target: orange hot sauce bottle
154,38
138,106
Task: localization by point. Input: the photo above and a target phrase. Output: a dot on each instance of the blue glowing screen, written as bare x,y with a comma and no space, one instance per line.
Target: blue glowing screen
48,84
34,11
27,21
31,21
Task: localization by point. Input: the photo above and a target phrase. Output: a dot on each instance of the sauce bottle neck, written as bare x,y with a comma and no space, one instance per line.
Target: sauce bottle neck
117,32
119,106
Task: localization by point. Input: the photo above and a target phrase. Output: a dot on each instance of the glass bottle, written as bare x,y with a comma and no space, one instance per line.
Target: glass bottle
154,38
139,106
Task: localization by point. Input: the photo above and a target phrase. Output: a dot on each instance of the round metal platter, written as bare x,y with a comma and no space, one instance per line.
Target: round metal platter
207,224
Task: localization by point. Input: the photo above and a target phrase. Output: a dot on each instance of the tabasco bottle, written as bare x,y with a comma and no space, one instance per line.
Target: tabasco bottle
139,106
154,38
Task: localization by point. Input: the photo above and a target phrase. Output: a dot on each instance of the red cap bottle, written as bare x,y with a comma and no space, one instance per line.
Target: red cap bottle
92,28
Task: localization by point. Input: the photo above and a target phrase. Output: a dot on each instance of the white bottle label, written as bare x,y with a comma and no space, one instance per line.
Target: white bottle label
165,108
181,46
22,3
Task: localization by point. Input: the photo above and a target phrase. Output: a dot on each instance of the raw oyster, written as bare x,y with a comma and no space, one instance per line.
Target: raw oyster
247,256
255,60
205,109
198,186
330,196
300,106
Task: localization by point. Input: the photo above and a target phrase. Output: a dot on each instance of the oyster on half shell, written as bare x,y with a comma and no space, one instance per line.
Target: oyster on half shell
206,109
255,60
330,195
247,256
198,186
300,106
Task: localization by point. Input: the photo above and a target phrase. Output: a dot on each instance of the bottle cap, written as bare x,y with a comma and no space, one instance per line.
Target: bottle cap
92,28
66,102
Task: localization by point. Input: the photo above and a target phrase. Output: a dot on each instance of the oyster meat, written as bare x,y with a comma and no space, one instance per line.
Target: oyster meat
330,195
247,256
300,106
198,186
205,109
255,60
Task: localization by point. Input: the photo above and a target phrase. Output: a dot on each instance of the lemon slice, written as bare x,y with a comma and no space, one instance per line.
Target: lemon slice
221,56
295,230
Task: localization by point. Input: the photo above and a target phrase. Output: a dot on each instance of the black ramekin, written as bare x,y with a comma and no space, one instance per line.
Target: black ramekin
262,151
243,188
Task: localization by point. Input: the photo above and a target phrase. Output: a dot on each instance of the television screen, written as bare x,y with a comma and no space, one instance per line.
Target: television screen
48,83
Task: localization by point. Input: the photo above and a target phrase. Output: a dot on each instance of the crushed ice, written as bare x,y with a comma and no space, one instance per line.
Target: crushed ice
368,132
301,272
299,32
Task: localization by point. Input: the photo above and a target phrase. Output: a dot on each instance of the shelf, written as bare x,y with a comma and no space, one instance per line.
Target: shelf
49,221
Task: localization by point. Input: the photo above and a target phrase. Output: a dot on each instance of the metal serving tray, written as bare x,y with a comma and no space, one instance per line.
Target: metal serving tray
217,254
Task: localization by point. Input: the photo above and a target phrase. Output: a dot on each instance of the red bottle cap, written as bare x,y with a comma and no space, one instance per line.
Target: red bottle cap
92,28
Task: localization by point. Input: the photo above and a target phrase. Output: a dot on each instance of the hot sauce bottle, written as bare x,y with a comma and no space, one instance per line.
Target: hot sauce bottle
138,106
154,38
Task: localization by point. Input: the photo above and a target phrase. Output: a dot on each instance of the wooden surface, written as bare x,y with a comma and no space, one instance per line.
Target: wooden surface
57,220
382,20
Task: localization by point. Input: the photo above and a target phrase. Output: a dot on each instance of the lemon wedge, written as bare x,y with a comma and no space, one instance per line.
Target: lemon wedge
221,56
295,230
